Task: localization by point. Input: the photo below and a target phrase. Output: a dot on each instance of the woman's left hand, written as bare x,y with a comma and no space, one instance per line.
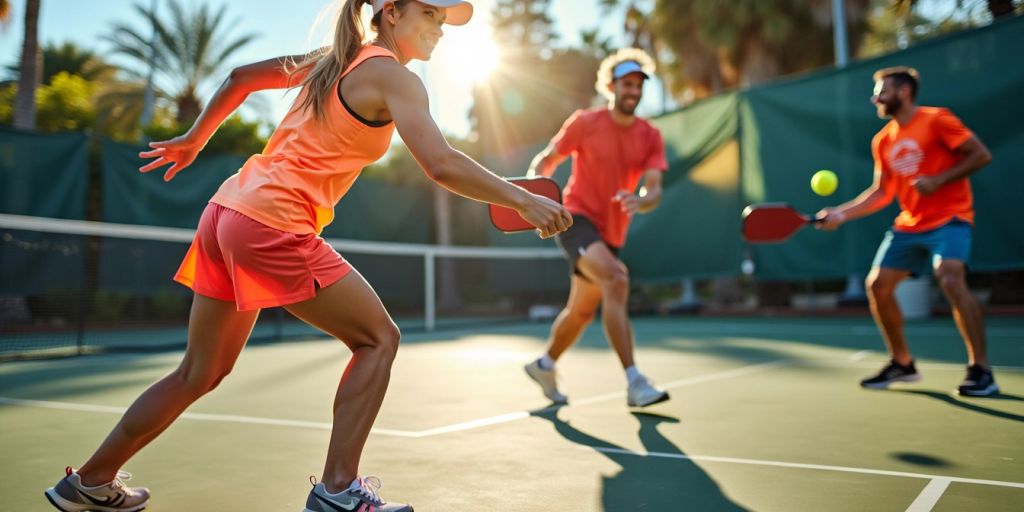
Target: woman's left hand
180,151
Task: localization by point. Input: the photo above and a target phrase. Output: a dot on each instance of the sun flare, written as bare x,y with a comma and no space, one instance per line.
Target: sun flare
468,54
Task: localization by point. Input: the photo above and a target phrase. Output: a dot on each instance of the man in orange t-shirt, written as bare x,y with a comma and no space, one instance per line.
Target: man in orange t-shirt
612,150
923,157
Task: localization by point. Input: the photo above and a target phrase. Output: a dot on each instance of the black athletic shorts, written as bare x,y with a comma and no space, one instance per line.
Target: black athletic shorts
577,238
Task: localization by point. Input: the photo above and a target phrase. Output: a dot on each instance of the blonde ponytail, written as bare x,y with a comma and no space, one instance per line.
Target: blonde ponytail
326,65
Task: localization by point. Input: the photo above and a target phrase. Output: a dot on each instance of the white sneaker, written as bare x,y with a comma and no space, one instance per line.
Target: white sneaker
546,379
361,496
642,393
70,495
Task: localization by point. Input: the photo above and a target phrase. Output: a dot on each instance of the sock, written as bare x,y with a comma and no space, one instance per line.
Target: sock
632,373
545,362
354,485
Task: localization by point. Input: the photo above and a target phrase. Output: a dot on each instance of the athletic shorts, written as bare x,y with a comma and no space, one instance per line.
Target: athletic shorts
235,258
917,253
575,240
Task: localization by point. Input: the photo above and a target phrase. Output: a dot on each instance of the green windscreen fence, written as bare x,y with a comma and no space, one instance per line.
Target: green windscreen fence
757,145
788,130
825,121
372,210
693,232
43,175
130,197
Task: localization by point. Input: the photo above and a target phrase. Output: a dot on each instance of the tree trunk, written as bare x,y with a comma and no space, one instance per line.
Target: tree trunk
1000,8
760,62
30,71
447,279
188,109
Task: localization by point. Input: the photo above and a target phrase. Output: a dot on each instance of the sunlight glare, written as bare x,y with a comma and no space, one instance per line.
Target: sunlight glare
468,53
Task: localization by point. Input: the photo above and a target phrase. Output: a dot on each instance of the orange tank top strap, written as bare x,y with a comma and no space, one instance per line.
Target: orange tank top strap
367,52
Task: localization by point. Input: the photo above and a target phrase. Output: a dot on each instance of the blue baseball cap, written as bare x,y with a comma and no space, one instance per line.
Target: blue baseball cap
626,67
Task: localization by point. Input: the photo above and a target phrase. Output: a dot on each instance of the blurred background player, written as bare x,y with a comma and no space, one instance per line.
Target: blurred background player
923,157
612,150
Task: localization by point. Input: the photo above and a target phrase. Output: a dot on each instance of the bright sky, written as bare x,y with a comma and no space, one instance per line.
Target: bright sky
290,30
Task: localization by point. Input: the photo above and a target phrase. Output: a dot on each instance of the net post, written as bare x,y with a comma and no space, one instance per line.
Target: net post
429,258
80,321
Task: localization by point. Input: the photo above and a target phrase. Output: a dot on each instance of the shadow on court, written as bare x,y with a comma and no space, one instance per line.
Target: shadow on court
973,405
648,482
922,459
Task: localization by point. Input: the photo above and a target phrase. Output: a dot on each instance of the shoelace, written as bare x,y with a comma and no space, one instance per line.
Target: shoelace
368,487
119,481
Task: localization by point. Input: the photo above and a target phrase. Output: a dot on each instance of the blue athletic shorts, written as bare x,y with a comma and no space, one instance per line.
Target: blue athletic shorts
917,253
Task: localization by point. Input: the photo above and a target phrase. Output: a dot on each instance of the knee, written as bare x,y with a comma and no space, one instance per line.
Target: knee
878,286
200,381
950,278
616,284
390,338
383,340
583,316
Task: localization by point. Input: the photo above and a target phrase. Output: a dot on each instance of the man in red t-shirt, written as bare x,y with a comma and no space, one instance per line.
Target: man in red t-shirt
613,151
923,157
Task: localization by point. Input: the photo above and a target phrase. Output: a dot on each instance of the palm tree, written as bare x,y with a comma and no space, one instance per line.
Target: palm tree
72,59
707,45
996,8
190,48
5,13
28,79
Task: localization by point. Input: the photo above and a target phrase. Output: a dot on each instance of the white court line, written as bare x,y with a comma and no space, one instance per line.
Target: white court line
860,363
457,427
224,418
797,465
926,501
700,379
857,330
859,355
472,424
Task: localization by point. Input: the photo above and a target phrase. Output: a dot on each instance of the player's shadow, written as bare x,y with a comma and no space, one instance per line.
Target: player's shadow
971,405
662,479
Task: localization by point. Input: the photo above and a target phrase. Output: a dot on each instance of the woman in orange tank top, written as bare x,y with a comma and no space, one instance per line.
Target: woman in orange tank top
257,244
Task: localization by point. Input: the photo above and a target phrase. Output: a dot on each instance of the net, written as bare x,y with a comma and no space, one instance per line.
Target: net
71,287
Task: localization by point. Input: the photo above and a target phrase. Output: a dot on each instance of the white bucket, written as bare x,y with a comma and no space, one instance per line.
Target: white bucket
914,296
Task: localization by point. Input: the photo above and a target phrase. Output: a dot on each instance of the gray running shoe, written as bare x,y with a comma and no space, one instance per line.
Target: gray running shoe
362,498
546,379
642,393
70,495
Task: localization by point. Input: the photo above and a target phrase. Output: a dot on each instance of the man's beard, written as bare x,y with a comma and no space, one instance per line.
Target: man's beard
892,106
621,106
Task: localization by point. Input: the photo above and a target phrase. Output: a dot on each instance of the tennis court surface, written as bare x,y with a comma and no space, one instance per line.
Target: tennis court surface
765,415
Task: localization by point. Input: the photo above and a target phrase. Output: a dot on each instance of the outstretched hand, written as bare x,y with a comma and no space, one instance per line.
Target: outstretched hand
628,201
179,151
829,219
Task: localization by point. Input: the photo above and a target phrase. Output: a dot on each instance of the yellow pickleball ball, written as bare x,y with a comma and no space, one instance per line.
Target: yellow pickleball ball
824,182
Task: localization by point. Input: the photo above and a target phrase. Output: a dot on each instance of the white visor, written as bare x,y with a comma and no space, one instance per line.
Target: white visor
458,12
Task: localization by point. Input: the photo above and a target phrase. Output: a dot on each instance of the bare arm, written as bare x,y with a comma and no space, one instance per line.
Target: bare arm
872,199
406,100
974,156
546,162
649,197
240,83
650,191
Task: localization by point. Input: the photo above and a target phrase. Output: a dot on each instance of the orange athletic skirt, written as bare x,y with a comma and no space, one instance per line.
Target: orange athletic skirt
235,258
